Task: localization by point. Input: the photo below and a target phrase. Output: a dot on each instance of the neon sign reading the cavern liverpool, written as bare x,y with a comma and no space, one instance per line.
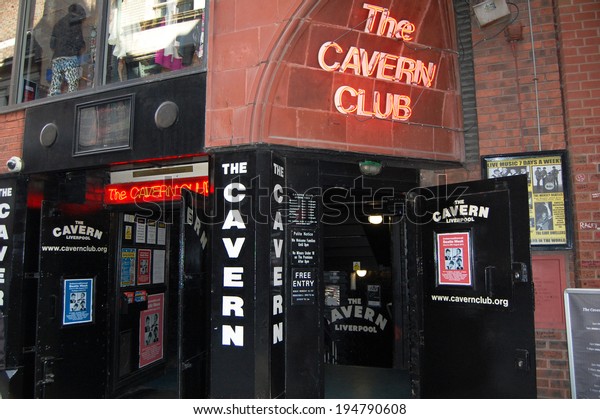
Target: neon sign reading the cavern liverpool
380,65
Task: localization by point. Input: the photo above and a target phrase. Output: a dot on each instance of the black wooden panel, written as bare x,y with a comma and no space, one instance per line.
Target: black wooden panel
185,136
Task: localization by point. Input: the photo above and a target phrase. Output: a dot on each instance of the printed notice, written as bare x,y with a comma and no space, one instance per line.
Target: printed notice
583,332
304,247
140,230
158,267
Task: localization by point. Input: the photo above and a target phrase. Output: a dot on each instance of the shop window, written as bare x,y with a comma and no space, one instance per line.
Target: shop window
151,37
75,45
59,48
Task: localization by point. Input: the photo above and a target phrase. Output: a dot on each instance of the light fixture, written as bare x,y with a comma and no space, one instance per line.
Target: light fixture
490,11
375,219
361,273
369,167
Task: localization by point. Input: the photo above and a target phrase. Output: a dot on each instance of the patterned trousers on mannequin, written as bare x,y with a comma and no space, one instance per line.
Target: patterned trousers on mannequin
67,68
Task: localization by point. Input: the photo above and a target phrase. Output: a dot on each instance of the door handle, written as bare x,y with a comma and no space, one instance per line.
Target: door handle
522,360
519,272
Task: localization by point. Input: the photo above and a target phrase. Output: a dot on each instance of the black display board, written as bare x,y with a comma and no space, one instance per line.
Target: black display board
582,307
8,192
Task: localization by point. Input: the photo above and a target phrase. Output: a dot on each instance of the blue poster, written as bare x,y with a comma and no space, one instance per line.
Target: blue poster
78,300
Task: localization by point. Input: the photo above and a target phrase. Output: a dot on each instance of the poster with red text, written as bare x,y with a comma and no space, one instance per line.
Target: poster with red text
151,330
144,264
453,253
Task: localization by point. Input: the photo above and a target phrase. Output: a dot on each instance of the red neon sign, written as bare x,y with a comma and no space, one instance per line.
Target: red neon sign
154,191
381,65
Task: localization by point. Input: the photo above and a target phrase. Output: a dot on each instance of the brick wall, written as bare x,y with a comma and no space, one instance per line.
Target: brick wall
579,23
566,44
11,136
506,67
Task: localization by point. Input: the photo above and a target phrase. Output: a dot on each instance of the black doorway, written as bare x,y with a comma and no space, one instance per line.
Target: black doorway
364,304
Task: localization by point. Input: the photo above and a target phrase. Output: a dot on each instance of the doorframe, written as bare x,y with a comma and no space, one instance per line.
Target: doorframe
117,385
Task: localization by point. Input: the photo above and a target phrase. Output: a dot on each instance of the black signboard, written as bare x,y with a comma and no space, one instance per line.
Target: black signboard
302,209
7,208
304,247
582,307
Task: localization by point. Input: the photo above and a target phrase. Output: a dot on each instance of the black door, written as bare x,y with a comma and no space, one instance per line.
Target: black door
193,298
476,334
71,338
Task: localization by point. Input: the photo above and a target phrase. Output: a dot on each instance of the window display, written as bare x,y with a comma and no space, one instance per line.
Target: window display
73,45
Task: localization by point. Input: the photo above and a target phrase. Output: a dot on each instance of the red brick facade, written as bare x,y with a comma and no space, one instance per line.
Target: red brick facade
11,136
279,93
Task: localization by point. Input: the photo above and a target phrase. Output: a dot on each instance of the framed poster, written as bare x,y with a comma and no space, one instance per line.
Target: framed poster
549,209
78,300
582,310
453,256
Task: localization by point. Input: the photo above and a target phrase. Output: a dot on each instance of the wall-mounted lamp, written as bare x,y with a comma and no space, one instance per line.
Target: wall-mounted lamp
490,11
375,219
369,168
361,273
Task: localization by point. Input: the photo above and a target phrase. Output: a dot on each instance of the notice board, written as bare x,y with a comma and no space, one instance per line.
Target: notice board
582,307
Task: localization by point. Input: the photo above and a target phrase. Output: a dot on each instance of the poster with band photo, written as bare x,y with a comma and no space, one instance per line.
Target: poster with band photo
78,298
546,171
453,259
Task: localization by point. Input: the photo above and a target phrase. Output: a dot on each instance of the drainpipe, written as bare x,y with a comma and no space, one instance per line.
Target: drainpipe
535,78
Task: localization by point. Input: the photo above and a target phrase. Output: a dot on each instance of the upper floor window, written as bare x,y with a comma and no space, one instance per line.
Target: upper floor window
73,45
153,36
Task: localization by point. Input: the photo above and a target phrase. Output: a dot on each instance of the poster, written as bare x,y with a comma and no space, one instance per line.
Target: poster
144,259
127,267
548,212
158,266
78,300
151,330
582,307
453,256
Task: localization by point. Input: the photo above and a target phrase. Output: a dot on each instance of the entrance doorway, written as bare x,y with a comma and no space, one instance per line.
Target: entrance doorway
364,288
161,308
146,300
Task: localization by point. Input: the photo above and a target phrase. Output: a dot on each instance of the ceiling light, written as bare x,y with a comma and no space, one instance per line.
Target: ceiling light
376,219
